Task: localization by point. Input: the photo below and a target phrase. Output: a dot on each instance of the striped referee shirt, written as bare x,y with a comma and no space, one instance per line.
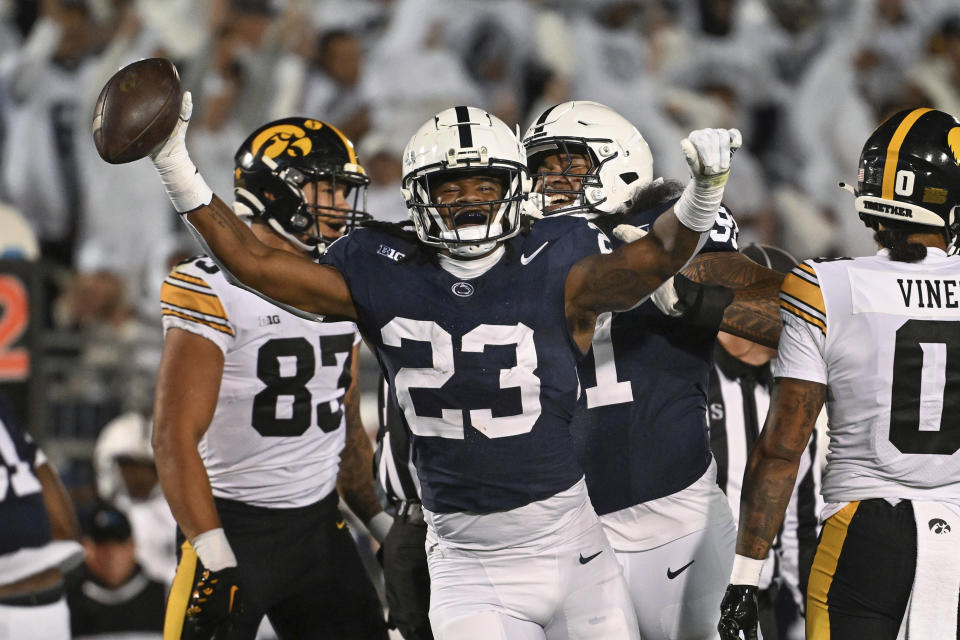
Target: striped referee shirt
737,403
393,463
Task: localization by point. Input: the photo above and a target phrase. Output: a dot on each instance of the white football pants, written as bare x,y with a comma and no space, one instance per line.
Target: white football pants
42,622
558,589
677,587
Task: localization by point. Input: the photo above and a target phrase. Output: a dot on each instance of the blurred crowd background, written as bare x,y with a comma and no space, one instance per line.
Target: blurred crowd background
85,245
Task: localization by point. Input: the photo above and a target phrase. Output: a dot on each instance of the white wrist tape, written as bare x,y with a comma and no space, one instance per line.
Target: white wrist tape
698,205
746,570
213,550
379,525
185,186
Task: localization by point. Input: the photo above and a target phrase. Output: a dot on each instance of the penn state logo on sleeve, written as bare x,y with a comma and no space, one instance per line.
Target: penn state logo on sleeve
800,295
187,296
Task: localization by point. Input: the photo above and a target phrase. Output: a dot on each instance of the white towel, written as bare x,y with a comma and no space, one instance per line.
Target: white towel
932,610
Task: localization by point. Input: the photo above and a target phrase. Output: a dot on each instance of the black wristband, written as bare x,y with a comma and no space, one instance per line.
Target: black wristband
701,305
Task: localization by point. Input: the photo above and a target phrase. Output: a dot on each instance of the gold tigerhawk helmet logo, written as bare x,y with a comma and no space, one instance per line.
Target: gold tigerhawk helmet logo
288,139
953,141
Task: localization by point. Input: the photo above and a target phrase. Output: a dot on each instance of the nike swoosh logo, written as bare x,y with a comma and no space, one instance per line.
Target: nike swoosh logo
588,558
525,260
341,524
673,574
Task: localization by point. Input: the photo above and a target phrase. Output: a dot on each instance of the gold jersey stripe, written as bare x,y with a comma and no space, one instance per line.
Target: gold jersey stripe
200,282
206,303
803,266
823,569
179,598
804,291
803,315
222,328
893,152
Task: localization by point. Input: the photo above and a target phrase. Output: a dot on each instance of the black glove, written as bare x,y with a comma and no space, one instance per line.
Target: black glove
701,305
738,612
214,605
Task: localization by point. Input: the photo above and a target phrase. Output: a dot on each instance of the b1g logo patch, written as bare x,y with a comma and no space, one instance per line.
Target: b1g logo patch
268,320
390,252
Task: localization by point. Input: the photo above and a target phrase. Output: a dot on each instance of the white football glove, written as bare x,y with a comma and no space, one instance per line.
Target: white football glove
185,187
708,153
175,144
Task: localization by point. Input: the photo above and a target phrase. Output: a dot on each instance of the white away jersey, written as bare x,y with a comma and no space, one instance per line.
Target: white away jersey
884,337
276,436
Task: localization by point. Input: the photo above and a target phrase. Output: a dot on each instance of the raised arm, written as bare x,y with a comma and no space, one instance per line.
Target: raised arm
620,280
293,281
754,313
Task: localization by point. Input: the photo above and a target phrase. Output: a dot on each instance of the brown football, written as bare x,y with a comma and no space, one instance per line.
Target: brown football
137,109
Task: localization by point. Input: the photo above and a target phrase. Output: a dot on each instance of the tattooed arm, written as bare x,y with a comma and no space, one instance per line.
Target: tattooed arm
754,313
281,276
290,280
355,480
772,467
618,281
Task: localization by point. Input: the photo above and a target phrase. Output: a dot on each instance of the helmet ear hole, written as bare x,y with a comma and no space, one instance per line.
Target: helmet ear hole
629,177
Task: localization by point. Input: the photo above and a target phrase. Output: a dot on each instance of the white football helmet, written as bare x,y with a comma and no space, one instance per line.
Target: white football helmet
618,157
460,142
126,436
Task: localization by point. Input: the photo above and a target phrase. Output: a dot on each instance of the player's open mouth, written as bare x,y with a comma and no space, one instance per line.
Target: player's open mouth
560,199
470,218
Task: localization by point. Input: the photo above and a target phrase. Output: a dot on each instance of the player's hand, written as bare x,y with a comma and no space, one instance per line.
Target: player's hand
708,153
175,145
214,605
738,612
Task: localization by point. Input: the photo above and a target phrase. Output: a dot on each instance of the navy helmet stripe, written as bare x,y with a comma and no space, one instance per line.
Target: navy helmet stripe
466,135
542,119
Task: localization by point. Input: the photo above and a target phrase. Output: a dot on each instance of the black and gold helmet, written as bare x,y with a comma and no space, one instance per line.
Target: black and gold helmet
275,162
910,172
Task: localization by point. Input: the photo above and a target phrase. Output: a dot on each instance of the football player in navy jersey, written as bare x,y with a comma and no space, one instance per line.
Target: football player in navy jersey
38,545
640,427
478,328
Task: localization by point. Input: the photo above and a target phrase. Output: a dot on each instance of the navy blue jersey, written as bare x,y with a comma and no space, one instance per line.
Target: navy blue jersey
483,370
22,511
640,428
